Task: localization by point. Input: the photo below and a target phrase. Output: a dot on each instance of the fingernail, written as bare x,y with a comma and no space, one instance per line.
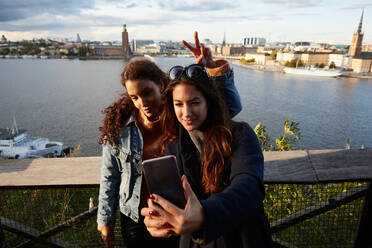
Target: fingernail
166,224
152,197
170,232
152,212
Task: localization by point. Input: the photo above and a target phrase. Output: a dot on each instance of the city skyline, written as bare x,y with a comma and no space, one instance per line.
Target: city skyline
276,20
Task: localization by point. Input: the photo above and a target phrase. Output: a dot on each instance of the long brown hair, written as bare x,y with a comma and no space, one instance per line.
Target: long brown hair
217,149
118,113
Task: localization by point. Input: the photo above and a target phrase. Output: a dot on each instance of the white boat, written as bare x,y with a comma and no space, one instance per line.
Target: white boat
313,71
16,144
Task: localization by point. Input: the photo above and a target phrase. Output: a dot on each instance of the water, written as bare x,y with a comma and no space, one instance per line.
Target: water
63,99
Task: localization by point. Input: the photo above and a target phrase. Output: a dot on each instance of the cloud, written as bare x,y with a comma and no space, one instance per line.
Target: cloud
197,5
21,9
295,3
357,6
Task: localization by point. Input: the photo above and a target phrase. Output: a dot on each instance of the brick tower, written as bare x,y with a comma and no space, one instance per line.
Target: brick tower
356,45
125,42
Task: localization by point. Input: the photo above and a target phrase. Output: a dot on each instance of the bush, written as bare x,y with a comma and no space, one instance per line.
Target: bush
332,65
247,61
294,63
285,142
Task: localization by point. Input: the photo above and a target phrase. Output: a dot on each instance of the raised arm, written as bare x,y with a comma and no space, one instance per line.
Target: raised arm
220,72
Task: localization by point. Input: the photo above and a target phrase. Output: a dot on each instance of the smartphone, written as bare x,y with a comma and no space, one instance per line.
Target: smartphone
163,178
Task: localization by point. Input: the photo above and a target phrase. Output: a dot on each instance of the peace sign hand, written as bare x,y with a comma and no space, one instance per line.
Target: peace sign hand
202,54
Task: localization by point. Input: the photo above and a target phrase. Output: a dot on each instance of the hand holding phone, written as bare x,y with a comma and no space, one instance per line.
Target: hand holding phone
163,178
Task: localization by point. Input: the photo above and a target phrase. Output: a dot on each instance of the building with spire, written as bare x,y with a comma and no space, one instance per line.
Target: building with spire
355,49
224,39
125,42
114,51
78,40
361,61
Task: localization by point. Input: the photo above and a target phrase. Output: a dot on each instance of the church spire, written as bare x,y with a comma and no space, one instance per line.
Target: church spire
360,23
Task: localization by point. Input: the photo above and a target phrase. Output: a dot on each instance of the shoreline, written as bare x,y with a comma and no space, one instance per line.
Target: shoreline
271,68
279,68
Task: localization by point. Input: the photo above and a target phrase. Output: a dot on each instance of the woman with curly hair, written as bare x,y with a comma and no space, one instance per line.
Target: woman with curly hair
222,166
131,132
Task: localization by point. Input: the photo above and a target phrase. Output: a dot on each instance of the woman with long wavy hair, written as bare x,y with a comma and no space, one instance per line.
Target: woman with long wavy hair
131,132
222,166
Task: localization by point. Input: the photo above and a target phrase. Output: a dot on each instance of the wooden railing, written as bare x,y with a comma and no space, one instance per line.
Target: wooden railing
292,167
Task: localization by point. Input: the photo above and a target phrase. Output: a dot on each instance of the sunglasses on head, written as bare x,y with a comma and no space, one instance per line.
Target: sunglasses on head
193,71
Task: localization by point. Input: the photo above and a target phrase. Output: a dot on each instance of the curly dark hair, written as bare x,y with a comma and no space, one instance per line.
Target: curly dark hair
119,112
218,143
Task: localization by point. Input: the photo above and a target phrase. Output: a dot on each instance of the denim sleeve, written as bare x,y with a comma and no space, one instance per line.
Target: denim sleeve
229,92
109,188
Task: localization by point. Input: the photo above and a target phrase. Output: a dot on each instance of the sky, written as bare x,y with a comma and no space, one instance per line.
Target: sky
326,21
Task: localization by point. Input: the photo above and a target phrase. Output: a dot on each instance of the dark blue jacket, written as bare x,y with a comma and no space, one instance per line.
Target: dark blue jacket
234,217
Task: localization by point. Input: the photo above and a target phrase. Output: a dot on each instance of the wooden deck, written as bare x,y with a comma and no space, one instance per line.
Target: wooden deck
303,166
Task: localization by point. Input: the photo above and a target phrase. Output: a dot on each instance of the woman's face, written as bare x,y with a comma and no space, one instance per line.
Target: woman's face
190,106
146,96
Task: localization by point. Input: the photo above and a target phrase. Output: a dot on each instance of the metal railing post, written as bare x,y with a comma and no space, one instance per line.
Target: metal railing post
363,237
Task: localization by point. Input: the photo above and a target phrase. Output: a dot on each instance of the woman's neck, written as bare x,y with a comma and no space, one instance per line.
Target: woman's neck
151,134
146,123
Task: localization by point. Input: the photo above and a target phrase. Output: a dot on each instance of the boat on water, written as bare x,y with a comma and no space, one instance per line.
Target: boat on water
313,71
15,143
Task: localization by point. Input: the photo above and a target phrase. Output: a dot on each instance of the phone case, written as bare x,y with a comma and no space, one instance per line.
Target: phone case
163,178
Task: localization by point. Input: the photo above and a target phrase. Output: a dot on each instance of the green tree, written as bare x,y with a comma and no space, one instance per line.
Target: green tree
83,51
274,53
263,138
291,134
4,51
285,142
294,63
71,52
332,65
316,65
322,65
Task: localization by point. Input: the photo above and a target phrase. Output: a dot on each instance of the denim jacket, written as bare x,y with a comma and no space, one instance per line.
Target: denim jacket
121,173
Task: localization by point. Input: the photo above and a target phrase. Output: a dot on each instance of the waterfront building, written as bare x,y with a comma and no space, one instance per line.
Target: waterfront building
254,41
277,45
340,59
231,50
283,57
172,47
98,50
260,58
361,65
367,48
265,49
356,44
313,59
146,49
